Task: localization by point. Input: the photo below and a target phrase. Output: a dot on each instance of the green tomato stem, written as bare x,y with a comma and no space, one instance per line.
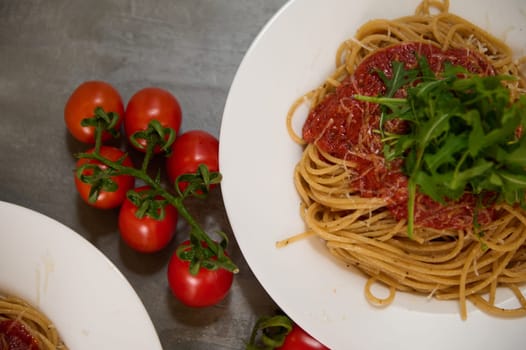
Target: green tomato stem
282,326
98,136
147,156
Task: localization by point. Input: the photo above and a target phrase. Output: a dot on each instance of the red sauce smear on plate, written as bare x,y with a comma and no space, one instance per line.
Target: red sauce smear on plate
347,129
16,336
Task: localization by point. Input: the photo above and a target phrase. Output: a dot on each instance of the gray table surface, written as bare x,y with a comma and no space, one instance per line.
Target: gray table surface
190,47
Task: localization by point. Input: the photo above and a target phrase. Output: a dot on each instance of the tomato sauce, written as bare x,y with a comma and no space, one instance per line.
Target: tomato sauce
15,335
348,129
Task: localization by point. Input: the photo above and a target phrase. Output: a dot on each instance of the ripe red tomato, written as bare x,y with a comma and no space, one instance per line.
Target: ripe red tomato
106,199
146,234
148,104
189,150
298,339
82,103
206,288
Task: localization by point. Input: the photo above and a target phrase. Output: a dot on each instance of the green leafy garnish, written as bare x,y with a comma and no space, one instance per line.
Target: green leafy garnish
465,133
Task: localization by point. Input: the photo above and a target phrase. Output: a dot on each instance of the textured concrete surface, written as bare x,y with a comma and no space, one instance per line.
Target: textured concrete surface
190,47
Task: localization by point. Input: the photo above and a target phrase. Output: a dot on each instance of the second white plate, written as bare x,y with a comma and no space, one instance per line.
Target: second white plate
86,297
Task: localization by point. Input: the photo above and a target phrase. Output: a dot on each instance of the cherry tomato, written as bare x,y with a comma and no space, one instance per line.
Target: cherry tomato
82,103
106,199
189,150
146,234
148,104
206,288
298,339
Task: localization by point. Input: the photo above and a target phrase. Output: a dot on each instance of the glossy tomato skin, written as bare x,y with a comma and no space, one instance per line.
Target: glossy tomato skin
298,339
191,149
206,288
148,104
146,234
81,104
106,199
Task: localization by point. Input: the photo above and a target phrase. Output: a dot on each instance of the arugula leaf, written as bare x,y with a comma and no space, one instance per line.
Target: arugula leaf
400,78
517,156
447,154
463,133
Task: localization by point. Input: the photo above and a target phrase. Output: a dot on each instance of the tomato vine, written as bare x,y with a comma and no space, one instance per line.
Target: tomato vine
199,184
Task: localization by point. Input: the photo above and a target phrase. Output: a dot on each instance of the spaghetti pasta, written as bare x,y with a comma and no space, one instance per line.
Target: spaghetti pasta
449,263
23,325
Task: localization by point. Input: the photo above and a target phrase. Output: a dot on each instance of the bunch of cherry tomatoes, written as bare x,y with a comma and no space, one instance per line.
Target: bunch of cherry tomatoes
200,272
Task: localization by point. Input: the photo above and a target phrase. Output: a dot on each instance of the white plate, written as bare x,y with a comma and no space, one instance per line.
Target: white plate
90,302
294,53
